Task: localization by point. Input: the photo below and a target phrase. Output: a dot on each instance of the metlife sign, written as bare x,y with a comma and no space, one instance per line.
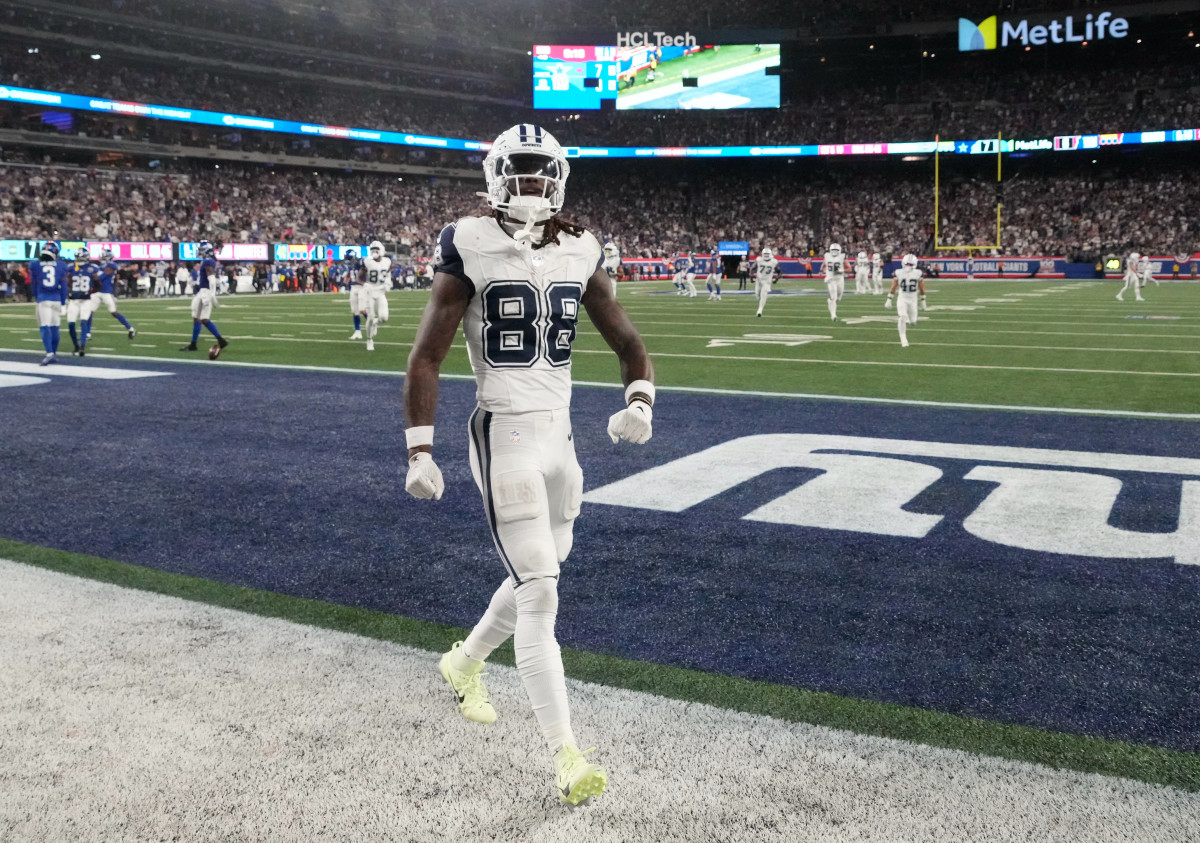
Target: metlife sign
990,33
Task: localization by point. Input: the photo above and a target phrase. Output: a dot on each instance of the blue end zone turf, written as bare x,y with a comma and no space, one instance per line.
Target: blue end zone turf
294,482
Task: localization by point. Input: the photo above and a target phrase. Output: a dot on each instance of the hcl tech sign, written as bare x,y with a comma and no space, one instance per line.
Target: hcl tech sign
1094,28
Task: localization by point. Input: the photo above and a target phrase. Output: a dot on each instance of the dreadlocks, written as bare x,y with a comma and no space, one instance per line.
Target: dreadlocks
553,227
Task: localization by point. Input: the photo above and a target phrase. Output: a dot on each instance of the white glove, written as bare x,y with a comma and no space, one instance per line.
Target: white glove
924,305
424,479
631,424
888,303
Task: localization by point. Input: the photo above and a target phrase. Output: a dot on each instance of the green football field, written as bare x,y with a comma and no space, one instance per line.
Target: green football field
1047,344
349,721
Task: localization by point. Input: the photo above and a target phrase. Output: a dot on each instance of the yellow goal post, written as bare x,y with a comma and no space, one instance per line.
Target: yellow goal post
937,244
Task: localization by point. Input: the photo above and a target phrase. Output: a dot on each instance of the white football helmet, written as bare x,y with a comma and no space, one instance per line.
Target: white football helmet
767,254
523,154
862,256
909,261
610,249
1134,256
835,249
376,249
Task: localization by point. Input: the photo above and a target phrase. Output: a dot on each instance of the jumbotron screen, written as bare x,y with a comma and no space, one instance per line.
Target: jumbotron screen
708,76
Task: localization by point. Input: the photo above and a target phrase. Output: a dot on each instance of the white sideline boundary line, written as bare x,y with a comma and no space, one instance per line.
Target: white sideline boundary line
695,390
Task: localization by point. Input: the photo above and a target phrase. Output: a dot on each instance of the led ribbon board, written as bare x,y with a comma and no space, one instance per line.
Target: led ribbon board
986,146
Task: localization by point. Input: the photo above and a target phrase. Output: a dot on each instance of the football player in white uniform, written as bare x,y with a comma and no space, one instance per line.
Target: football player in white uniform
765,270
375,278
910,282
876,273
714,277
689,275
612,264
1132,279
835,277
862,274
516,281
1145,271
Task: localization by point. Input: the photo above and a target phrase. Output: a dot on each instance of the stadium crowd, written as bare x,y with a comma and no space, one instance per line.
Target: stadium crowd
647,210
965,101
370,56
510,20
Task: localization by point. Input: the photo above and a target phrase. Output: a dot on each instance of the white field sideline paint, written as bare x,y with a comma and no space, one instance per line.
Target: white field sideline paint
66,370
744,358
133,716
698,390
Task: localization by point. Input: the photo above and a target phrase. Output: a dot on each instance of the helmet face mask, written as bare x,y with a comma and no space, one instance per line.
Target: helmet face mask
526,173
376,249
835,249
767,254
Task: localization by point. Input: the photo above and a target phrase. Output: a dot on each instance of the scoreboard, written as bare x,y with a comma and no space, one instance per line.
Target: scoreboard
569,77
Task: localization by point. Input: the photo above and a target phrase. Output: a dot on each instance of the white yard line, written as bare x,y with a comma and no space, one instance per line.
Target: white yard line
812,396
907,363
707,337
131,715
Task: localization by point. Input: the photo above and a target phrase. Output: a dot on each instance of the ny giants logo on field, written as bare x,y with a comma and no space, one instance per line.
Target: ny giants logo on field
1059,506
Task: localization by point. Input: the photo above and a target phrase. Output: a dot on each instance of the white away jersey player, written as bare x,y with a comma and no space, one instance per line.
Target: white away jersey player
520,323
377,274
908,292
764,272
835,268
612,261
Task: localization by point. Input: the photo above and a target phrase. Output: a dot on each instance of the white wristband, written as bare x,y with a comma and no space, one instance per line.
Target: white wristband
643,390
415,437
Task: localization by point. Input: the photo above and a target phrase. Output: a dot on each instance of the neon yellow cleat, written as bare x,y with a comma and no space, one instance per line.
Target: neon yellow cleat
468,690
577,779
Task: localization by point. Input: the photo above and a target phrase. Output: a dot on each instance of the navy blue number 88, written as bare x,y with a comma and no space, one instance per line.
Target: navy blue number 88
519,324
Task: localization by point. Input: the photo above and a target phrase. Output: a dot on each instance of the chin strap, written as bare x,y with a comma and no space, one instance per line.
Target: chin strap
526,232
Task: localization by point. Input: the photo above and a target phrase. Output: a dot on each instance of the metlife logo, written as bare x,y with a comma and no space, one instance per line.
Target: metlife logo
990,34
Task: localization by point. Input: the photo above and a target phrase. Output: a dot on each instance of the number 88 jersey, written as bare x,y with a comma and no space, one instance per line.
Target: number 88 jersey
525,302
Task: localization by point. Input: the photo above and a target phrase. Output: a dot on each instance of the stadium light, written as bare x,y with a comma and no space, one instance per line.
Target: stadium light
95,57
